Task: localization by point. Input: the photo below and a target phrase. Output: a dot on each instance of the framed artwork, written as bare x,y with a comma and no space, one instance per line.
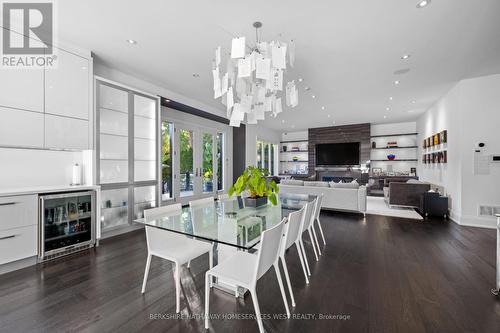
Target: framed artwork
444,136
429,142
436,139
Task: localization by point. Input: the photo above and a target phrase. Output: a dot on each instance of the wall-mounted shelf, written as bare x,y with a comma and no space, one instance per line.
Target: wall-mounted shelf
386,148
294,161
385,135
397,160
295,151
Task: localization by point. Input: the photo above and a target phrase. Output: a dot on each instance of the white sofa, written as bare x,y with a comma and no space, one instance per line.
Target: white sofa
344,199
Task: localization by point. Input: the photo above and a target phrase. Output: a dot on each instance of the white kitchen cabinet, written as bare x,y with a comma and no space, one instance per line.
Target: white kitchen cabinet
66,133
18,211
21,128
18,227
22,88
67,86
18,243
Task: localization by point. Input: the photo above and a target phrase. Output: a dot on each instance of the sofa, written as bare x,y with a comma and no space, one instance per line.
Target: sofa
337,196
405,194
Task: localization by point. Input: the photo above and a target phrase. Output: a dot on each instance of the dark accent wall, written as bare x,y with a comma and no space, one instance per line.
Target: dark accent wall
239,151
338,134
191,110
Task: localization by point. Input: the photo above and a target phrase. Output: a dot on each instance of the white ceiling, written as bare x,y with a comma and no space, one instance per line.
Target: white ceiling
347,51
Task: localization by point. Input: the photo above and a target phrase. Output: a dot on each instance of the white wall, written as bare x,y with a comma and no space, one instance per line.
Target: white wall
134,81
258,132
470,114
22,168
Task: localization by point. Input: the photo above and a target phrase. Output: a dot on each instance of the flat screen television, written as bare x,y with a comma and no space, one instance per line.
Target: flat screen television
337,154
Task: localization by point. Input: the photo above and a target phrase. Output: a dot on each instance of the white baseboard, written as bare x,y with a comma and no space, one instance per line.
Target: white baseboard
477,221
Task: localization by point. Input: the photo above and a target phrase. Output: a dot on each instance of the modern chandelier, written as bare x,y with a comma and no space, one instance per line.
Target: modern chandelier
252,83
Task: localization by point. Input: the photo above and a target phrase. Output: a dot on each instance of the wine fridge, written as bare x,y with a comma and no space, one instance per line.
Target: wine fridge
67,223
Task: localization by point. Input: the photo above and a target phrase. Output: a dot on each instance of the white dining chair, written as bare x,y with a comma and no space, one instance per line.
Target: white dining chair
245,269
307,226
201,202
318,211
291,236
171,246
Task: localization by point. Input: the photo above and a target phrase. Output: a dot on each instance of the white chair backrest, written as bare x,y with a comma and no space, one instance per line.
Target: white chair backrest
223,196
163,210
156,237
201,202
292,229
309,215
319,201
270,247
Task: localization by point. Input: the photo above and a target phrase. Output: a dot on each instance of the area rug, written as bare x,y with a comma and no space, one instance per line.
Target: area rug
377,206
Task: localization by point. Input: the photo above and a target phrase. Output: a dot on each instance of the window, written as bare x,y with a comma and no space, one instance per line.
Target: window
166,160
220,161
266,156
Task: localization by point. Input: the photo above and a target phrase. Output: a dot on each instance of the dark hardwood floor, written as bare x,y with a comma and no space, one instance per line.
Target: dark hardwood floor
386,274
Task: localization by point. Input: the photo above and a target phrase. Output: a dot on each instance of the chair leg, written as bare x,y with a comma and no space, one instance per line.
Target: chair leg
287,277
146,273
208,279
321,231
177,288
306,262
282,289
299,251
316,239
211,263
313,243
253,292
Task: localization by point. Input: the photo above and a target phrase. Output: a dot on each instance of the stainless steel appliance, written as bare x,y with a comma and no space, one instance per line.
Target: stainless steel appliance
67,223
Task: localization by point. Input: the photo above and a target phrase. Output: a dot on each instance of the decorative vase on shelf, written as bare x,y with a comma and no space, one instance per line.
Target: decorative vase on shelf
284,148
391,157
374,145
295,158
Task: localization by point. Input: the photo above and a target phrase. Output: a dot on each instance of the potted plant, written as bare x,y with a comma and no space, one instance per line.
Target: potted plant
208,183
254,180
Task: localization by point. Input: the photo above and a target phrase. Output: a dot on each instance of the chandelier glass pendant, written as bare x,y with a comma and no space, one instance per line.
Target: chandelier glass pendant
252,83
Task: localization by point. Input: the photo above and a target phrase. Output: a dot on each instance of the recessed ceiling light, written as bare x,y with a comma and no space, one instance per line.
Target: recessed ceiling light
333,122
387,109
329,115
307,88
423,3
390,98
396,82
131,41
413,102
405,56
196,75
313,96
322,108
301,79
385,117
283,121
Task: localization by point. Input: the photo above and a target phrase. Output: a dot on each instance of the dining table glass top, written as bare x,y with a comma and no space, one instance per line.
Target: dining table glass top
228,221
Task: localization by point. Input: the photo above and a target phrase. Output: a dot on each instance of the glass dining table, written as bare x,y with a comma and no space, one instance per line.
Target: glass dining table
228,224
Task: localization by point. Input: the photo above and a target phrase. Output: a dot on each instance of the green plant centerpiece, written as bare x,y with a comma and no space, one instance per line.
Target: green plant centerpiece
260,189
